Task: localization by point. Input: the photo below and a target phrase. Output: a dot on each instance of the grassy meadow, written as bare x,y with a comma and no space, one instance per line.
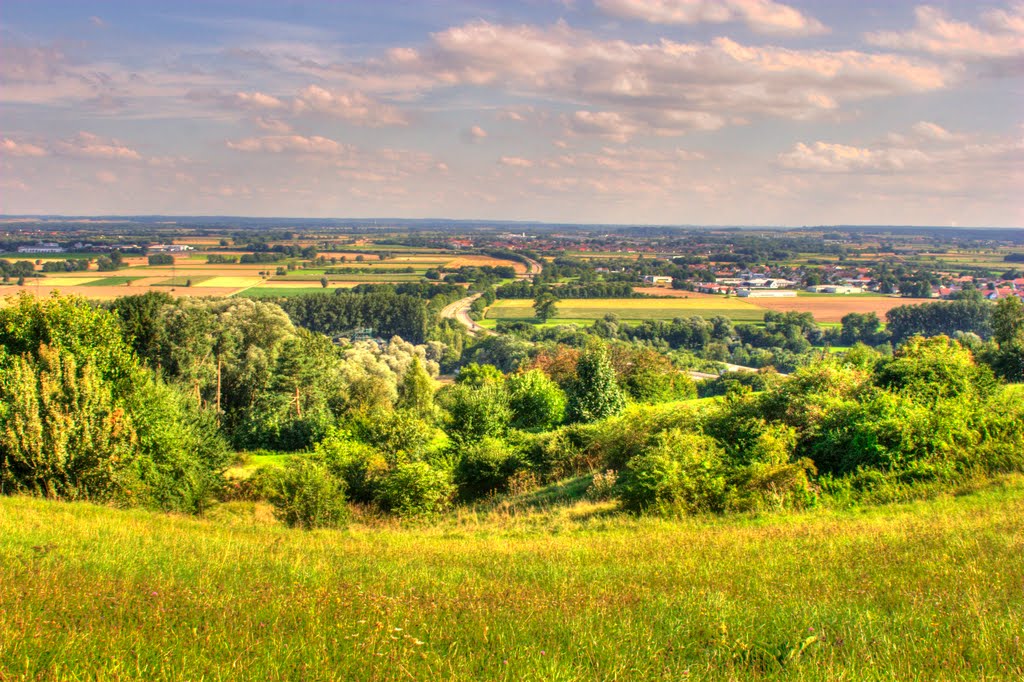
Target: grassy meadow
928,590
631,309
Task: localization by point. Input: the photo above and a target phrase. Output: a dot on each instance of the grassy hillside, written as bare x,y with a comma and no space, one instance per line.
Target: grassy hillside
929,591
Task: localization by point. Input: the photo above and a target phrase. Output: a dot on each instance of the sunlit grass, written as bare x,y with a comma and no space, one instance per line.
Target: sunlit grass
925,591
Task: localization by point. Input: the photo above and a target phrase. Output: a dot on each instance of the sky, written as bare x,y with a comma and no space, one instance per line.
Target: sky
717,112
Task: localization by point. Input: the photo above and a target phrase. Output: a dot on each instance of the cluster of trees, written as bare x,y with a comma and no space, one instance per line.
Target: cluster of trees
69,265
110,262
973,315
84,419
17,270
160,259
142,400
388,314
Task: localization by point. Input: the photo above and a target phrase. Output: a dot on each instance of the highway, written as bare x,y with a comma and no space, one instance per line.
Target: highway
459,311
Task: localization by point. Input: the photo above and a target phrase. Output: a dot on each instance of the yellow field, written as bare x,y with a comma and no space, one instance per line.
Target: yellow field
230,282
67,281
484,260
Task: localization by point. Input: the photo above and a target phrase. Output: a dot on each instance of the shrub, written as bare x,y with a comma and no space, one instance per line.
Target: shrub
306,495
399,434
594,394
683,473
536,401
602,487
475,412
485,467
415,489
359,465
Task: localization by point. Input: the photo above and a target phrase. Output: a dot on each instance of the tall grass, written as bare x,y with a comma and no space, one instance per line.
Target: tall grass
921,591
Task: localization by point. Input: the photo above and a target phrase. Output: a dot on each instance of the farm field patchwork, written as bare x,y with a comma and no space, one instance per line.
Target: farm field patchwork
927,590
632,309
833,308
228,281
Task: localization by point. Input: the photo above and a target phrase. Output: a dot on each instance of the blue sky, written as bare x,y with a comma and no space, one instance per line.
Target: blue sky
638,111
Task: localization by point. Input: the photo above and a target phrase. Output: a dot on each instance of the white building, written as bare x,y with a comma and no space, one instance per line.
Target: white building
747,292
658,280
169,248
834,289
42,247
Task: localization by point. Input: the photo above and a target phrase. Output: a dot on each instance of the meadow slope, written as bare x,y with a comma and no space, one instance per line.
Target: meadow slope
921,591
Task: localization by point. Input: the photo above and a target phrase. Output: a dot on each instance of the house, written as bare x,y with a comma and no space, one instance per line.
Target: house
658,280
709,288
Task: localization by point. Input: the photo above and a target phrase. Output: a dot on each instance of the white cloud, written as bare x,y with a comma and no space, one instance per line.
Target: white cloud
477,133
515,162
89,146
9,147
272,125
762,16
657,88
291,144
1000,36
354,107
927,149
106,177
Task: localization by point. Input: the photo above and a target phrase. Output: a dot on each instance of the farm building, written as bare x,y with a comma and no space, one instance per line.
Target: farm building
42,247
747,292
169,248
658,280
834,289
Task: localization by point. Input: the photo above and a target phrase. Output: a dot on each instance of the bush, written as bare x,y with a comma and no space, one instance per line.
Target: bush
399,434
485,467
683,473
536,401
415,489
602,487
306,495
360,466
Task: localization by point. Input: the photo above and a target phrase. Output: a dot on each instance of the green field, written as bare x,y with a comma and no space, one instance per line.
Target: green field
182,280
365,277
632,309
921,591
282,292
111,281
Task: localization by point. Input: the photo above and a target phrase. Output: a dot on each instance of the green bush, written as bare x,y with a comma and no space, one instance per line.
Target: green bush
485,467
306,495
359,465
684,472
415,489
399,434
536,401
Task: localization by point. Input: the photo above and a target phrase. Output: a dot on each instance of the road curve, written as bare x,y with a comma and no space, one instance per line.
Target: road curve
533,267
459,311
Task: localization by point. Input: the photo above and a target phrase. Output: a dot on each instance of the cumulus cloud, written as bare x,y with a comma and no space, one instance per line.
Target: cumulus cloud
663,87
89,146
761,16
290,144
351,106
1000,35
926,148
515,162
9,147
354,107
